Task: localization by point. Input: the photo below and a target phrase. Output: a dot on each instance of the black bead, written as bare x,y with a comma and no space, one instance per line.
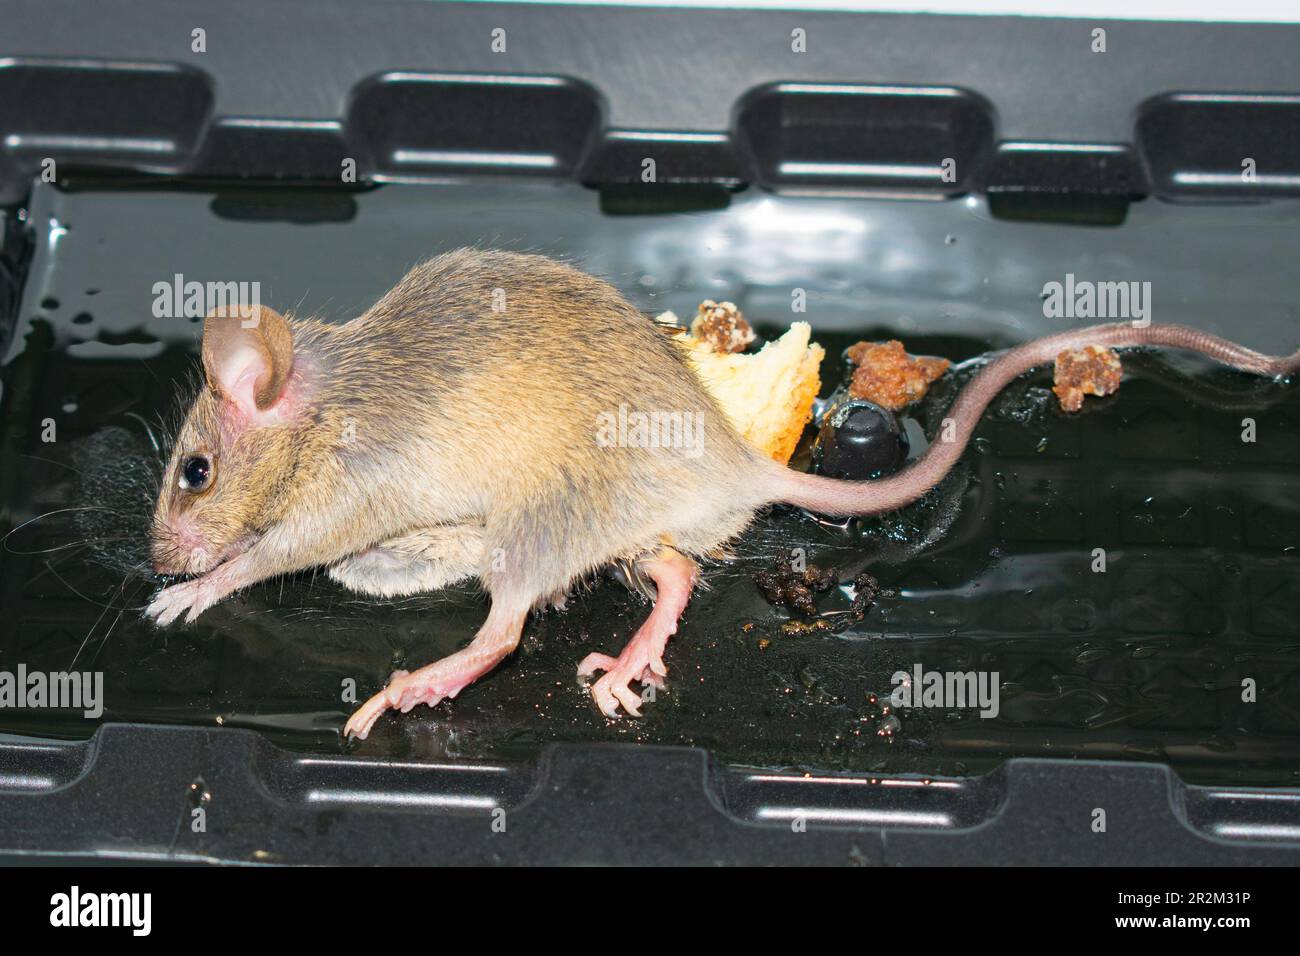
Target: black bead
859,440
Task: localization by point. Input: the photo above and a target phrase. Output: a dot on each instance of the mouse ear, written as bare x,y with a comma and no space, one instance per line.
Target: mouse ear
247,355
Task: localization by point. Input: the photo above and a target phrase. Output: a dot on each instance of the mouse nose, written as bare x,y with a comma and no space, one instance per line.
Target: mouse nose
164,553
177,546
161,562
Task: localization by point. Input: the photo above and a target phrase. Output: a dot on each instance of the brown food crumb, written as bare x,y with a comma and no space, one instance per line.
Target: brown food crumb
865,589
784,586
722,326
888,376
794,589
1092,370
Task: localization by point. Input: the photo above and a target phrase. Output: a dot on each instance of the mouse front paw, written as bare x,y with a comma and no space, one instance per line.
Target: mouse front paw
190,598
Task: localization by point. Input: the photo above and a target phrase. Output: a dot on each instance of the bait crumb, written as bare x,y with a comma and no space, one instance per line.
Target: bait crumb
722,326
786,587
1092,370
888,376
865,589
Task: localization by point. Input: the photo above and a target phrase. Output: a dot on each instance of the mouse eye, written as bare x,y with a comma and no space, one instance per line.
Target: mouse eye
196,473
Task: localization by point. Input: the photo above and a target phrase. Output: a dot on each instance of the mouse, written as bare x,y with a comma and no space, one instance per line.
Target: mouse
451,433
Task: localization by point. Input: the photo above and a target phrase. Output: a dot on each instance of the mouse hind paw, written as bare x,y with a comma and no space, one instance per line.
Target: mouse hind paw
674,576
445,678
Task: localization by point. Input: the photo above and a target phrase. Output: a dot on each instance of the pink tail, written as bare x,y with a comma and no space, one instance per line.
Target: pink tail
835,497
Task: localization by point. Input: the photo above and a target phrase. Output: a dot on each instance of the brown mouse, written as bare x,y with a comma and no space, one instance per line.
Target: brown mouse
451,432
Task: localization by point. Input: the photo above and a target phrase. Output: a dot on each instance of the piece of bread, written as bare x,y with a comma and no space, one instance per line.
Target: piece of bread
768,394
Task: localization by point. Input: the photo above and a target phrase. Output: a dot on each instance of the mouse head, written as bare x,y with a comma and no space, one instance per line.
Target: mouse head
236,448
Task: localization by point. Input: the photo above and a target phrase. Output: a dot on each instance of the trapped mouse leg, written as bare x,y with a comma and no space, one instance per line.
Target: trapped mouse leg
642,659
446,678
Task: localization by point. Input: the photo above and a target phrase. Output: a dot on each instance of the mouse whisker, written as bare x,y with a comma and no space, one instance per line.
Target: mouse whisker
121,589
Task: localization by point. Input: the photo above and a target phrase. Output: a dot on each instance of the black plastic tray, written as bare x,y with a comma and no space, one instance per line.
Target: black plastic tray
1191,608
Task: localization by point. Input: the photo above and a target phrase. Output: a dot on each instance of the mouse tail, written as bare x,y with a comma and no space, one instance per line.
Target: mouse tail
832,496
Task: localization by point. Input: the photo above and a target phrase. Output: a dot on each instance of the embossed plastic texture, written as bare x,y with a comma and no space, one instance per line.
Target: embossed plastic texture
1124,685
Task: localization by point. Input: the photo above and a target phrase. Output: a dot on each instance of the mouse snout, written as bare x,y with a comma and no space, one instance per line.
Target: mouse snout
178,547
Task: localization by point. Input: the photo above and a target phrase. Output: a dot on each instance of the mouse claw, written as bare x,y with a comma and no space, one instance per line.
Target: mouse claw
629,698
654,673
596,662
614,689
394,695
364,718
